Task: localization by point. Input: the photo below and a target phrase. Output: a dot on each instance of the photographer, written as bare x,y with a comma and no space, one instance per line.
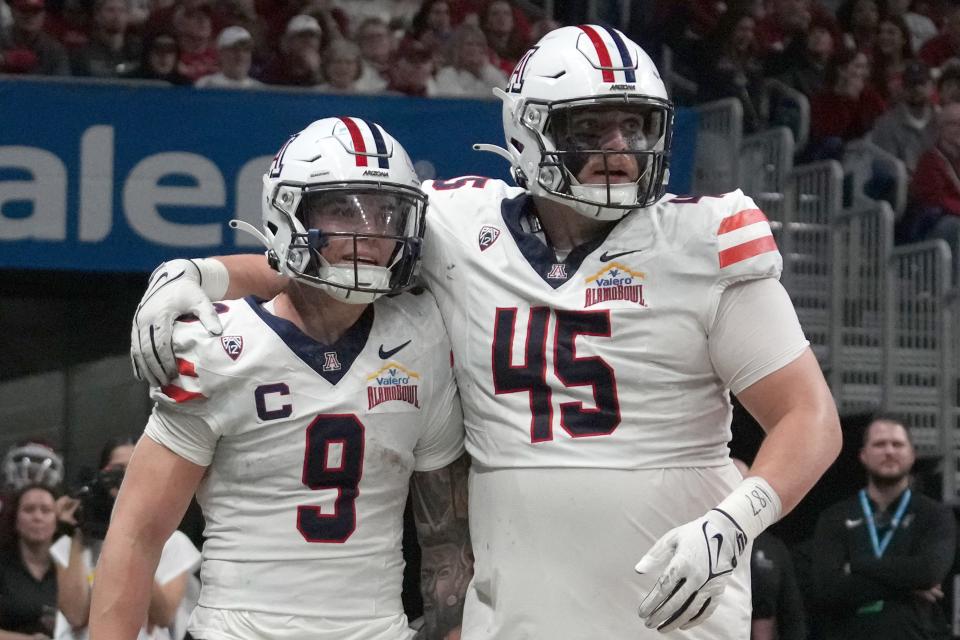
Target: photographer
88,514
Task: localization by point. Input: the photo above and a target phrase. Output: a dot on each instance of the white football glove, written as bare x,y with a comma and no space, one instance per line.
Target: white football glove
175,288
696,559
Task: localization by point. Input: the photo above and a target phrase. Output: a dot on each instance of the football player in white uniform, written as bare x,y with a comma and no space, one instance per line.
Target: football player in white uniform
598,327
300,426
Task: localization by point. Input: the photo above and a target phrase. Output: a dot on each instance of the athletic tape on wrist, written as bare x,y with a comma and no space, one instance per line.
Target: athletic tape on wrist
753,505
214,277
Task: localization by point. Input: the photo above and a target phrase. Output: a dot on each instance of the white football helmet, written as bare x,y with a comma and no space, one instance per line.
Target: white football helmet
344,181
565,96
32,463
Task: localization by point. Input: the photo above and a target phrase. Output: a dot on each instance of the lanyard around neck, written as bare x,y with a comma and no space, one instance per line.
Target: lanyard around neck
879,546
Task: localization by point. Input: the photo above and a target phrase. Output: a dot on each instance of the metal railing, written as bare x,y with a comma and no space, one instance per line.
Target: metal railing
920,347
766,159
716,167
860,304
812,199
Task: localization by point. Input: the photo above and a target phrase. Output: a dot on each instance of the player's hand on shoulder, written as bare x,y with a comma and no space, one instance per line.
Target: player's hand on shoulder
176,287
693,564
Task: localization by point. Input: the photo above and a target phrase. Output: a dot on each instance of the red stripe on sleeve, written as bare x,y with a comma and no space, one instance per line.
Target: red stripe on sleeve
359,146
741,219
186,368
602,54
746,250
178,395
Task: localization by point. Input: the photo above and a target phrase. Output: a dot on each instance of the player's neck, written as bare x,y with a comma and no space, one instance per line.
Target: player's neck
883,494
565,228
320,316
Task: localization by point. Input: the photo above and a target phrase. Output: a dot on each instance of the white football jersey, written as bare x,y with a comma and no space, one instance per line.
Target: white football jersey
310,450
593,412
600,360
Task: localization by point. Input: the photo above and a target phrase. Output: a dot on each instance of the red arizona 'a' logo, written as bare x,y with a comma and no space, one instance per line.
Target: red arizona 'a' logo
233,345
558,272
330,361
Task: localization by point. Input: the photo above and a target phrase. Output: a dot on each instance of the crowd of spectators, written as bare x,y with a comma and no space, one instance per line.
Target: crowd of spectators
422,48
880,69
50,540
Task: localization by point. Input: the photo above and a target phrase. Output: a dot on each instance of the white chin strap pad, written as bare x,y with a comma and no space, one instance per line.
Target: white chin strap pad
368,276
597,194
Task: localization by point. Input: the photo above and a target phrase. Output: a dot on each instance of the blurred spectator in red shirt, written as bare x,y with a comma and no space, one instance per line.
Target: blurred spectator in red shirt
909,128
935,188
504,36
112,50
159,61
921,27
194,29
892,50
732,69
412,71
235,51
859,20
944,45
470,73
431,26
846,109
26,48
297,63
376,44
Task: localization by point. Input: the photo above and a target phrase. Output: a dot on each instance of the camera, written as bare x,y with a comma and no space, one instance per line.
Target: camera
96,503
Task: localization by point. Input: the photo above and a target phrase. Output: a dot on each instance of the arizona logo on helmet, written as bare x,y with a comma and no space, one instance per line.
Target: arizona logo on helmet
614,282
393,382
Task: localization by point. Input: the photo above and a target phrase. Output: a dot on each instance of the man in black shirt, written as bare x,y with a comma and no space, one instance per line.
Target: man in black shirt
881,555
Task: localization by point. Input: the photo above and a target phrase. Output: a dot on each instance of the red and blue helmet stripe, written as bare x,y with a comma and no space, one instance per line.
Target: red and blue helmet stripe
607,67
360,132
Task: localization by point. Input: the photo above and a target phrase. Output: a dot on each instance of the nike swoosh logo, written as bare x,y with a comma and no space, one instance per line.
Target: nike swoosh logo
850,524
390,352
719,538
607,257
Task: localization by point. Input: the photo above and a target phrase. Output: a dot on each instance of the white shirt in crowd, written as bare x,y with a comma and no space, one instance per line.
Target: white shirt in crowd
460,82
179,556
220,81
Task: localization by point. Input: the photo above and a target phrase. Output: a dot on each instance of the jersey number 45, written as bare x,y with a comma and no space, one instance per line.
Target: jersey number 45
572,371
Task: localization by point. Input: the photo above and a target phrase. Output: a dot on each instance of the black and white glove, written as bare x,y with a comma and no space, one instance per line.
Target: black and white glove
175,288
696,560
